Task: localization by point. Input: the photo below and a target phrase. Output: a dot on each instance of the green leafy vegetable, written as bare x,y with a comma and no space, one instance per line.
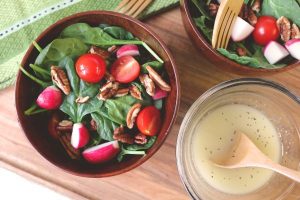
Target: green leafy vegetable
206,30
43,84
200,5
118,108
68,64
34,109
257,60
97,36
158,104
135,149
118,33
278,8
93,35
157,66
58,49
41,72
105,127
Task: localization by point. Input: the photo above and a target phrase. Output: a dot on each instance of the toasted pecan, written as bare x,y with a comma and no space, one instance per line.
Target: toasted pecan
121,136
140,139
158,80
148,84
132,114
122,92
108,90
295,32
65,140
135,92
284,26
100,52
60,78
81,100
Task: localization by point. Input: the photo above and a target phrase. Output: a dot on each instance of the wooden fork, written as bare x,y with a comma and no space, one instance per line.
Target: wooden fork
226,16
132,7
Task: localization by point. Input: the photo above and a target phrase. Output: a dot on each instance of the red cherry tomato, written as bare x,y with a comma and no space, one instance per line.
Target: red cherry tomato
149,121
266,30
90,67
125,69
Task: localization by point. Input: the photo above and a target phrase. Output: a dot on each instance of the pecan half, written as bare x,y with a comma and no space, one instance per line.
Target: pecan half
256,6
135,92
109,77
284,26
108,90
295,32
82,100
158,80
122,92
101,52
132,114
148,84
121,136
60,78
93,125
65,125
241,51
213,9
65,140
140,139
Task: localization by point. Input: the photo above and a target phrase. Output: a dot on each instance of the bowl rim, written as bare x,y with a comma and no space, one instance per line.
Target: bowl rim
185,12
206,95
161,44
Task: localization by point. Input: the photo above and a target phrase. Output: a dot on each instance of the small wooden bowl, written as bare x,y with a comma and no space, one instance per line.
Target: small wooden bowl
187,12
35,127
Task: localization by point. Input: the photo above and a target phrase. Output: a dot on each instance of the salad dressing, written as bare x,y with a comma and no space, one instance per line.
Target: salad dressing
214,137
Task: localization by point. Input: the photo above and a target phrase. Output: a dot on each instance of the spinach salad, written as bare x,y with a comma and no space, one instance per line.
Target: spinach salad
265,35
104,90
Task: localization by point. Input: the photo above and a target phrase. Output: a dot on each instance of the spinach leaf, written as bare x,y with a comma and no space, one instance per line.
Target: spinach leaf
105,127
158,104
70,107
118,33
200,5
118,108
93,35
205,29
58,49
278,8
78,111
88,89
135,149
257,60
157,66
95,139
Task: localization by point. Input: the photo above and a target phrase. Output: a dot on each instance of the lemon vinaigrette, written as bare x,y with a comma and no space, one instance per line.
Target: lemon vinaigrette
213,140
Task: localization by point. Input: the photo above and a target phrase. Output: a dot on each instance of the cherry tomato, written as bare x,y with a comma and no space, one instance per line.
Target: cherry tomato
149,121
90,67
266,30
125,69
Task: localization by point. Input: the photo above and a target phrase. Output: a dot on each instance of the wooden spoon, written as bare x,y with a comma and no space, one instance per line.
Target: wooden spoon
248,155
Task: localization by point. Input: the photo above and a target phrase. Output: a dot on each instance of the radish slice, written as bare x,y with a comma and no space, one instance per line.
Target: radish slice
293,46
102,152
241,30
159,94
80,136
50,98
128,50
275,52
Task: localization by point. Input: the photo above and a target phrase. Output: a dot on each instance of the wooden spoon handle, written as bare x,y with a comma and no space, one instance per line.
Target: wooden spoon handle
292,174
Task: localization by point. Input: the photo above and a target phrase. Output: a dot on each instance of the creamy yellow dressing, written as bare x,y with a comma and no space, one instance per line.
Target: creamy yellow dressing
214,137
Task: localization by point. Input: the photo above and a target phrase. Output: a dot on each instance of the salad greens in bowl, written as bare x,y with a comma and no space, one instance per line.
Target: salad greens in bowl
265,35
97,93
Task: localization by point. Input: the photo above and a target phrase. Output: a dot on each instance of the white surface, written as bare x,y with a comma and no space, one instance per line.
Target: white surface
14,187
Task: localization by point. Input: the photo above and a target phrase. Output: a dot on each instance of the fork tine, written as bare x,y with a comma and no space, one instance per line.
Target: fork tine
121,4
222,28
128,6
226,30
146,3
229,31
135,7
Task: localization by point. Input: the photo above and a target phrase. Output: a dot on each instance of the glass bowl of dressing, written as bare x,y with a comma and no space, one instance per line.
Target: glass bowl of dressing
266,112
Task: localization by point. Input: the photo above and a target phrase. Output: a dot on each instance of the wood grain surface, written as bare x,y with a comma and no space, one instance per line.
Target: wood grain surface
158,177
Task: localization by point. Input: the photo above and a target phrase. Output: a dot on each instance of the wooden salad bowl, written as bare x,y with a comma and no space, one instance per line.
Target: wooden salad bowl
187,12
35,127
